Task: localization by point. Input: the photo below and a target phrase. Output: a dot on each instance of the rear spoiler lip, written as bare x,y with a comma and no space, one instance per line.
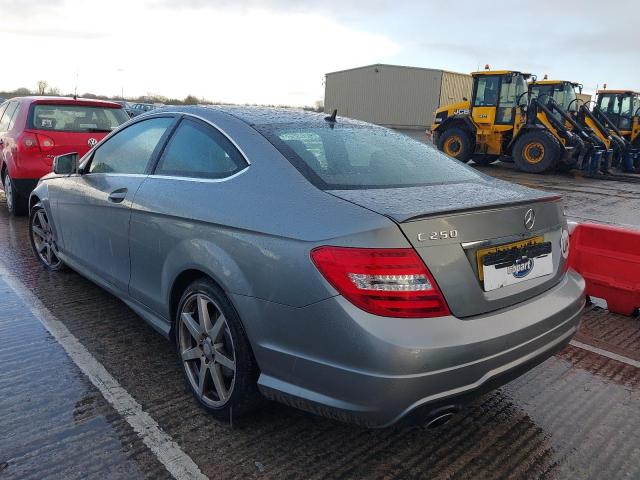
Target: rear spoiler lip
551,198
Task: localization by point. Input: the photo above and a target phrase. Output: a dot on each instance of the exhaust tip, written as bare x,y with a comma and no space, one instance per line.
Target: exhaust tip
441,418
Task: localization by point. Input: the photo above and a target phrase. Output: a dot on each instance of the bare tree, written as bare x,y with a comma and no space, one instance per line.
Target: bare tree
190,100
42,86
54,91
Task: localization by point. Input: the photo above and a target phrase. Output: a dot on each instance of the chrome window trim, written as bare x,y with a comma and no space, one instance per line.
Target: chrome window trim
167,177
108,174
198,179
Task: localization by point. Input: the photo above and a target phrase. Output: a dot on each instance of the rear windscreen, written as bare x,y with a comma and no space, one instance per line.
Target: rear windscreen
353,157
75,118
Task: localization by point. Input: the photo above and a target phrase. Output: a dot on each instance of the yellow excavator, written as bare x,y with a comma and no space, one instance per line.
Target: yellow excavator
500,122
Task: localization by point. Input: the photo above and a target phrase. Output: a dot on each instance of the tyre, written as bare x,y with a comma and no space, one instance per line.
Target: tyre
485,160
214,352
536,152
15,203
42,240
456,143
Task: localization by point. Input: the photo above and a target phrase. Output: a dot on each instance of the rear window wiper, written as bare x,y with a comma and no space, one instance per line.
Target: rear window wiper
97,130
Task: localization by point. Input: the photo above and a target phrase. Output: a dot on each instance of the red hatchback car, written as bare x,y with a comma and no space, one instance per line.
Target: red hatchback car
33,130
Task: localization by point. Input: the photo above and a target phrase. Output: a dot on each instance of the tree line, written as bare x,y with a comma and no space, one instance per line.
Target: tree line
43,88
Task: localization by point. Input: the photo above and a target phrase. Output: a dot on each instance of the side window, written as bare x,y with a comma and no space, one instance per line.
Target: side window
199,151
486,91
130,150
12,118
508,94
8,113
3,107
625,105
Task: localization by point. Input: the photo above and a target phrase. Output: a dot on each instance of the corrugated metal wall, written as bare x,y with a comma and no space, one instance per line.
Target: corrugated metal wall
385,94
455,86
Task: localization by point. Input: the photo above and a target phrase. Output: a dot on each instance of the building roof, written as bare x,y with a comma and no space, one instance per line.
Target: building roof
395,66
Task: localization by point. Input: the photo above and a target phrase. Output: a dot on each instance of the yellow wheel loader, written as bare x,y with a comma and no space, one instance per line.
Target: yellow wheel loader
620,111
499,121
622,108
595,129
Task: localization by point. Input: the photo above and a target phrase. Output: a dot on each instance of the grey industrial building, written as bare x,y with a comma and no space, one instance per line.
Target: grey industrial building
392,95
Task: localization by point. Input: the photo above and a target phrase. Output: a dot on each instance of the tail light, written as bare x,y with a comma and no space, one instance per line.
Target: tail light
29,143
390,282
46,143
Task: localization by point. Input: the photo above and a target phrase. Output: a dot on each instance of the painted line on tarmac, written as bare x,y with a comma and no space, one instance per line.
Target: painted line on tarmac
175,460
605,353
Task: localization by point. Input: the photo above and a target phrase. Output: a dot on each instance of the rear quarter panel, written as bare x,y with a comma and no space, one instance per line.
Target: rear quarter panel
251,233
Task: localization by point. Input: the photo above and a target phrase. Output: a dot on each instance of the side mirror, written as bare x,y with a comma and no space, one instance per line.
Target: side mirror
66,164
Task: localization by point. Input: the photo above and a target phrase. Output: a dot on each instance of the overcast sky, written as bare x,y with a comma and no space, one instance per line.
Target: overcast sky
277,51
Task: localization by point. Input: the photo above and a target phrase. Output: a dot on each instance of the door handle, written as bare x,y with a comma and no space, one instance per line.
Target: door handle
117,196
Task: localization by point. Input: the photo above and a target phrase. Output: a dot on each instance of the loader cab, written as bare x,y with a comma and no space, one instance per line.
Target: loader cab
563,92
496,95
620,107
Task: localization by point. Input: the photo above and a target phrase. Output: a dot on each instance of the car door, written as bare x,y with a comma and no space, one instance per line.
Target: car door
195,173
95,206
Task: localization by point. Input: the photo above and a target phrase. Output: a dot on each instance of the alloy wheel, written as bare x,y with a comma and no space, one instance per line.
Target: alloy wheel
207,350
43,241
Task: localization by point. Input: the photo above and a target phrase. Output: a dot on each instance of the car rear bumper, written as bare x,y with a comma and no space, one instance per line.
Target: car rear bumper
338,361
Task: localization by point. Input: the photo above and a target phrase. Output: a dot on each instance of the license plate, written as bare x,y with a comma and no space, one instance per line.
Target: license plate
514,262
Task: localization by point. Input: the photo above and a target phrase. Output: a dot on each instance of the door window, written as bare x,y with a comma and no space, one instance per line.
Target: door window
3,107
8,113
512,90
486,91
130,150
199,151
12,118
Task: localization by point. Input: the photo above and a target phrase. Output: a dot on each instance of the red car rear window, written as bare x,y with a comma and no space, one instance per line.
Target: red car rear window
75,118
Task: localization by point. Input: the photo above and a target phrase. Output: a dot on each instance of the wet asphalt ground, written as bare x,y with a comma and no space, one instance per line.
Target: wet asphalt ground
577,415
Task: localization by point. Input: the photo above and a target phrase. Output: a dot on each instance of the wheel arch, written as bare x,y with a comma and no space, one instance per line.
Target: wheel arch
458,121
180,283
192,260
40,194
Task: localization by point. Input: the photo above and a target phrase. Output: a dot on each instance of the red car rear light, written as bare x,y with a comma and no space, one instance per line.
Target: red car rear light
390,282
29,143
45,142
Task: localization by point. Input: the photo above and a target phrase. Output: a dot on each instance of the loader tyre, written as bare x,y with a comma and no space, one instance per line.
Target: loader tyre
536,152
456,143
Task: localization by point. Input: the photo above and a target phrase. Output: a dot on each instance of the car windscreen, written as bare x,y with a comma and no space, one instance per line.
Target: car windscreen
75,118
355,157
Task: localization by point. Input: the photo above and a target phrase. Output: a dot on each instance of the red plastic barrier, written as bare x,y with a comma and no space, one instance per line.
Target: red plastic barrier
609,260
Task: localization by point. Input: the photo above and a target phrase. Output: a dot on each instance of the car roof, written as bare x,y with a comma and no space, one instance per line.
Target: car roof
256,116
89,102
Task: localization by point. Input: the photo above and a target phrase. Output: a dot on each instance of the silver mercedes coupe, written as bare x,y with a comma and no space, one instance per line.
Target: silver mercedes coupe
333,265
